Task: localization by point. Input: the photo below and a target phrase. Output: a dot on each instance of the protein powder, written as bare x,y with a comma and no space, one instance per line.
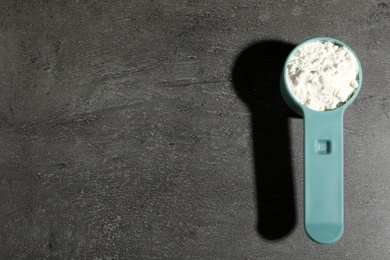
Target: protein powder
322,76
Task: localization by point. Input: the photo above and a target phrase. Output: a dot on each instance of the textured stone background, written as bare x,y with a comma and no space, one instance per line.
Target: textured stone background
155,130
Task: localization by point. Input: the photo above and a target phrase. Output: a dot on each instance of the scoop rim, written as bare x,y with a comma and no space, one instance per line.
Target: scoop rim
334,41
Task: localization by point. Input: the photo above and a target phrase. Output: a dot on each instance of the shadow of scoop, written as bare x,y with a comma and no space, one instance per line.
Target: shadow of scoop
255,78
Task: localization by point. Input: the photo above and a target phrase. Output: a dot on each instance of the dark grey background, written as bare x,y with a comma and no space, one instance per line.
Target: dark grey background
156,130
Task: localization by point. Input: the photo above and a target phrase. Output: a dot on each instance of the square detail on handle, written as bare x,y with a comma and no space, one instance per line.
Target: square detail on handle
323,146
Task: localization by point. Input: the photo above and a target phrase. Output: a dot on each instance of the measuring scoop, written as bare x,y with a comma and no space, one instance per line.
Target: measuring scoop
323,159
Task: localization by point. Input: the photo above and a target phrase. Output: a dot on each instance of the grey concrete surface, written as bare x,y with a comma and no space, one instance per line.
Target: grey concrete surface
155,130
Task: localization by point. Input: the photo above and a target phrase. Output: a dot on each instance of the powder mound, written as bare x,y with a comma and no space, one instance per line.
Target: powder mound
322,76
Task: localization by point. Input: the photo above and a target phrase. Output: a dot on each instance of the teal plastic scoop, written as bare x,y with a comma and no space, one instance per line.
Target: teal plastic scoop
323,159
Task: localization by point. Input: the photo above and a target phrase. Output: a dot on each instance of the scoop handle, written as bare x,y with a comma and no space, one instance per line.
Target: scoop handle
324,191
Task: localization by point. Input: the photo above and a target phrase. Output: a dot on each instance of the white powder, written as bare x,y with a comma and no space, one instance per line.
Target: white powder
322,75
